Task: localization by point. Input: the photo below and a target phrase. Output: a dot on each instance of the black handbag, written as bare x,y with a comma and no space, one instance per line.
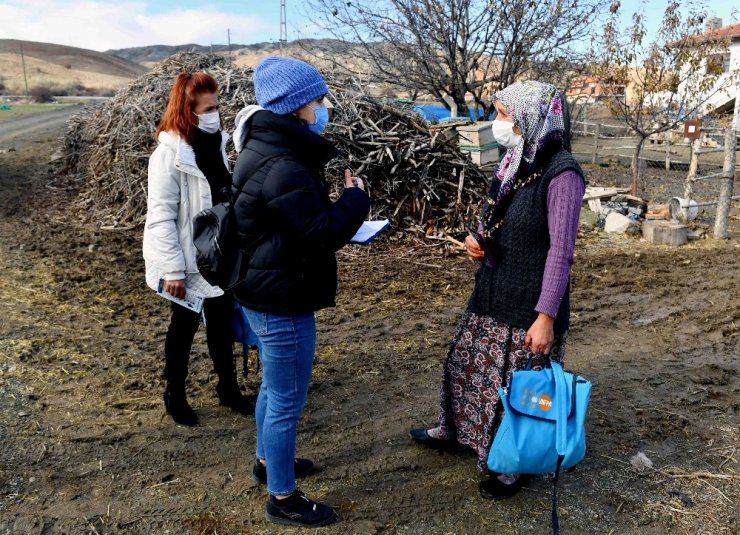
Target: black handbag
220,259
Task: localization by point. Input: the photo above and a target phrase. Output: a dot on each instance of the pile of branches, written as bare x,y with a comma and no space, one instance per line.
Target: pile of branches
110,145
416,176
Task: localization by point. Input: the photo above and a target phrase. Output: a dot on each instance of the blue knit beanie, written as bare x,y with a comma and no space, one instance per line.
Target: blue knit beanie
284,85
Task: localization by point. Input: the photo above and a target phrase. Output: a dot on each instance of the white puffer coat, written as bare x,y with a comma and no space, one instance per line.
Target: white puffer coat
177,191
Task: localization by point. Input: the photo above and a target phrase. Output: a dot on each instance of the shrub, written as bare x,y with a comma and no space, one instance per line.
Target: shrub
42,93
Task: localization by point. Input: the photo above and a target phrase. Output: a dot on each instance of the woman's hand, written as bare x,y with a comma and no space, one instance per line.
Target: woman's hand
175,288
541,335
474,250
353,181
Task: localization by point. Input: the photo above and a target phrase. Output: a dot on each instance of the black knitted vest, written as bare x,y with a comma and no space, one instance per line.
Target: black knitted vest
509,291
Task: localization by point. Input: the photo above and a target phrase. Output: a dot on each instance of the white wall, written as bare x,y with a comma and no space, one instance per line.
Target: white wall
732,91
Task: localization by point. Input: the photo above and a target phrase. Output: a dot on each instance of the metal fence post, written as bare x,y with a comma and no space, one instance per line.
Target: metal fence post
726,185
594,156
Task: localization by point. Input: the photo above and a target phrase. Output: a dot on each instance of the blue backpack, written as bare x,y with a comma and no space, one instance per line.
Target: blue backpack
544,425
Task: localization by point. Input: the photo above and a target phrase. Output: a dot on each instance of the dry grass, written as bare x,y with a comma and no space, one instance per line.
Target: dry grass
45,73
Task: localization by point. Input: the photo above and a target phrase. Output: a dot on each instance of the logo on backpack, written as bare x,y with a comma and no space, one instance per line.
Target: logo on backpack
532,399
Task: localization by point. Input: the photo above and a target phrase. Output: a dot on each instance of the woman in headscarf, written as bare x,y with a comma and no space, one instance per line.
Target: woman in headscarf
519,307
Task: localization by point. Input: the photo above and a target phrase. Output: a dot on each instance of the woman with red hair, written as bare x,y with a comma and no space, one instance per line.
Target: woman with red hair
188,172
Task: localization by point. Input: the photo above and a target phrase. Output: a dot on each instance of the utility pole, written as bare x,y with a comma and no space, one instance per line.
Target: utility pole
25,78
283,25
228,38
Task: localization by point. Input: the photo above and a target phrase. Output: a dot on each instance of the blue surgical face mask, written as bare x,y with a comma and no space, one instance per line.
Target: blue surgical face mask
322,120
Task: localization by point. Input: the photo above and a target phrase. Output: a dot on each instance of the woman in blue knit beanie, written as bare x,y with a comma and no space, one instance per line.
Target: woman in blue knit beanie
290,231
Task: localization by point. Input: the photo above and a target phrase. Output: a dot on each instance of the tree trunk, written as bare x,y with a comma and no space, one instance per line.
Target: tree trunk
636,165
726,186
688,189
462,106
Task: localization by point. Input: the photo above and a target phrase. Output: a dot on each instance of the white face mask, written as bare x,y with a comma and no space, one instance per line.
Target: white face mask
210,123
503,133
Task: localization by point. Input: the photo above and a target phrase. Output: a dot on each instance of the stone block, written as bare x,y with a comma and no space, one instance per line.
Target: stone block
665,232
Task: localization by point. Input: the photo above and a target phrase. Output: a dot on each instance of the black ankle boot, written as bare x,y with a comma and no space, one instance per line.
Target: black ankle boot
230,396
177,405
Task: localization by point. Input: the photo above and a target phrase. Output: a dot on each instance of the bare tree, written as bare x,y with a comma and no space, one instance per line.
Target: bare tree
449,48
654,84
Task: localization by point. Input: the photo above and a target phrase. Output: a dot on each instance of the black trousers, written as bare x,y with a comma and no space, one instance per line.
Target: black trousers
219,312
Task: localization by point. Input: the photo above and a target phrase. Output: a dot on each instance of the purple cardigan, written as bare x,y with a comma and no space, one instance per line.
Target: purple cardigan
564,200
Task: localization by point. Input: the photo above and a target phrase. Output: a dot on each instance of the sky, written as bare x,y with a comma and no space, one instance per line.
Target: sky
109,24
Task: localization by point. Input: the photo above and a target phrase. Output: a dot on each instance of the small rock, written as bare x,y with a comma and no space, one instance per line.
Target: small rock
695,234
23,414
91,247
641,462
617,223
589,219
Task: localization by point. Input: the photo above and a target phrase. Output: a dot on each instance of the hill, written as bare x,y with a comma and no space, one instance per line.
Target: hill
63,67
149,55
243,55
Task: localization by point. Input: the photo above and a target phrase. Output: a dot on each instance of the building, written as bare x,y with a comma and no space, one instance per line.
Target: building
726,64
591,87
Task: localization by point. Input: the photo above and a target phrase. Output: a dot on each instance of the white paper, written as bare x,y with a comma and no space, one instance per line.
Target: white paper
369,231
193,301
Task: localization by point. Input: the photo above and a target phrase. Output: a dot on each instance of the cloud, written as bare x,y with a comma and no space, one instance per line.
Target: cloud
100,25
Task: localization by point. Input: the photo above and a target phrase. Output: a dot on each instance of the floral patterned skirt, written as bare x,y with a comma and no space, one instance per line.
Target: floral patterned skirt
482,357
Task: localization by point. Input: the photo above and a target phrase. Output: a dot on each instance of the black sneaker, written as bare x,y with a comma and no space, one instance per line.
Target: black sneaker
302,467
297,510
495,489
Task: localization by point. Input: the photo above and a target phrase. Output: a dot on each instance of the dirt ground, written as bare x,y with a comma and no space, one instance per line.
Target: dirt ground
85,446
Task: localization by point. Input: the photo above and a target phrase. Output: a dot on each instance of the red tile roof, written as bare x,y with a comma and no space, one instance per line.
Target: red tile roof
731,31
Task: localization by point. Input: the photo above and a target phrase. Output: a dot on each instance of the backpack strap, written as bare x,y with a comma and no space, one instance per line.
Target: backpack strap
561,408
561,435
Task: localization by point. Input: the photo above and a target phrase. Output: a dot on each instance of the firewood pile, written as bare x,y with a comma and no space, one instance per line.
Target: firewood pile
416,176
110,145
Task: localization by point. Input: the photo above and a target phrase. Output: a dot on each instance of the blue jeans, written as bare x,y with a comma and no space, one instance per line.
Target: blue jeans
287,344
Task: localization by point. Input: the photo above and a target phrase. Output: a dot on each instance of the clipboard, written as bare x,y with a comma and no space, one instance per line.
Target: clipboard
369,231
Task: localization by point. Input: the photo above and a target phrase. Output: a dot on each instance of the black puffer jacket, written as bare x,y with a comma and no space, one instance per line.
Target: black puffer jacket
286,219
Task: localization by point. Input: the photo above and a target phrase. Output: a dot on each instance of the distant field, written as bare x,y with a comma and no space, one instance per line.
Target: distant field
62,67
17,110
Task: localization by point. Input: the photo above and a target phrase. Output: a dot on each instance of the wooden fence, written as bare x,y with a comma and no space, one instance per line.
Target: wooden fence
711,157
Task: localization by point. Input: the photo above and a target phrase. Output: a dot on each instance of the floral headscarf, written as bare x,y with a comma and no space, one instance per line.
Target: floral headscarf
538,110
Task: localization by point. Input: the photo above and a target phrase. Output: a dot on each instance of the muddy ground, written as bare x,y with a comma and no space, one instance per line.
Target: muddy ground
85,446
